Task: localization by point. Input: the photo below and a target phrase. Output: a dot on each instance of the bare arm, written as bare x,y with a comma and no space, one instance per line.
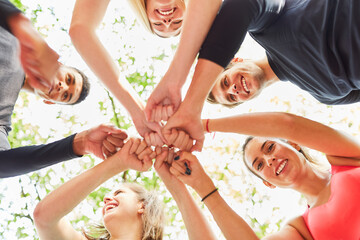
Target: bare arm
50,213
231,224
291,127
199,16
87,15
196,224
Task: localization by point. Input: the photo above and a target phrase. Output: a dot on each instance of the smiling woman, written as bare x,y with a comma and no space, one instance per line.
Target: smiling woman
330,196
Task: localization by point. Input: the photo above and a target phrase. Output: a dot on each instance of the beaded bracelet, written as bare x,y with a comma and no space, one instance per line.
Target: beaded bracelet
209,194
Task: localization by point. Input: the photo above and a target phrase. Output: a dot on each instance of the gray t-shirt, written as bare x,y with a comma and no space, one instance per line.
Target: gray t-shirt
11,81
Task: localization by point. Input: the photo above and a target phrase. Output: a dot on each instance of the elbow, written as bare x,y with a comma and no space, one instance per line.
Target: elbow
40,216
77,31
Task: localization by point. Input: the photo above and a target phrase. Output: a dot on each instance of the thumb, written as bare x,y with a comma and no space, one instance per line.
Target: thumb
198,145
160,159
150,105
147,163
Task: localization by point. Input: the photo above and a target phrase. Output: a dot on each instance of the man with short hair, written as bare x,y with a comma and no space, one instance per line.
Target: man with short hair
69,86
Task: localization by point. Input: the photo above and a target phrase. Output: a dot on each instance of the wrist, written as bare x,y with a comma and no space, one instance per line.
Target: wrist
78,144
17,20
204,187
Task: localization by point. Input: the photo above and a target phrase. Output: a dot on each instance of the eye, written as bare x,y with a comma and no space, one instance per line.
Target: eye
259,166
68,79
177,22
157,24
226,82
117,192
65,95
270,147
232,97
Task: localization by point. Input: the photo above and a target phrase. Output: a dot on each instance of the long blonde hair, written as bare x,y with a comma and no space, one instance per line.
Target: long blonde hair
152,218
139,7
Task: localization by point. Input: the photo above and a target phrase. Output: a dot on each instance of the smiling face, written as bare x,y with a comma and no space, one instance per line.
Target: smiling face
165,16
239,83
275,161
67,88
122,205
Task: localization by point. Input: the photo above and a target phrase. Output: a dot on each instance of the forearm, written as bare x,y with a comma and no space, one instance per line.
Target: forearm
7,10
198,19
70,194
100,62
303,131
204,78
230,223
22,160
196,224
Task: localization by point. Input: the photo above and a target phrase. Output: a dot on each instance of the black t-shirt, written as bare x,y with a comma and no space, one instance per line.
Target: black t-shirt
314,44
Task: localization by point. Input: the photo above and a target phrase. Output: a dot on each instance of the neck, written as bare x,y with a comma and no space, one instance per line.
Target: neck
270,76
126,231
313,183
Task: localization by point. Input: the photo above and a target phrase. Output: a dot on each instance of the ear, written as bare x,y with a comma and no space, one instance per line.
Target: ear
48,102
236,60
141,208
294,145
269,184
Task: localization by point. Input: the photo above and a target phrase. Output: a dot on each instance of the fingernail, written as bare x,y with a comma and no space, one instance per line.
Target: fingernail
177,158
186,165
188,171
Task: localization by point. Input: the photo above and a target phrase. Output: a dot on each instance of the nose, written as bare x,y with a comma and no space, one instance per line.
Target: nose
61,86
269,161
167,21
107,199
234,89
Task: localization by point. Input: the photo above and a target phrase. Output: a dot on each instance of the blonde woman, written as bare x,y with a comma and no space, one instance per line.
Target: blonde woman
126,211
130,212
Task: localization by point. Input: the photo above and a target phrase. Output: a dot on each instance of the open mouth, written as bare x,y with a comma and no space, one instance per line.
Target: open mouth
166,12
244,85
281,167
109,207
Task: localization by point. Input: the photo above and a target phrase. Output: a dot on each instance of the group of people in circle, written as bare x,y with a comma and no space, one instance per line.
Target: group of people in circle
314,44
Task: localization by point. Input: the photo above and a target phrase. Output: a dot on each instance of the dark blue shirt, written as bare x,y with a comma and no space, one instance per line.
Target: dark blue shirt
314,44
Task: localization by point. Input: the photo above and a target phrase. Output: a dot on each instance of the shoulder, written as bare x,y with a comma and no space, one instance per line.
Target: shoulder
295,229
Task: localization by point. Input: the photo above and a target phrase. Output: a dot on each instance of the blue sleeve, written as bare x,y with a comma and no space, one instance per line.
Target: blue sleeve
22,160
228,31
6,9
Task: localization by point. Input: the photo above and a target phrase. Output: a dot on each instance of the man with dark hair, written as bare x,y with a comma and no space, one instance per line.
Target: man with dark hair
47,78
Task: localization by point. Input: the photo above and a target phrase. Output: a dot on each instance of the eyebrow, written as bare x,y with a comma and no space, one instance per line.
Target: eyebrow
262,149
70,97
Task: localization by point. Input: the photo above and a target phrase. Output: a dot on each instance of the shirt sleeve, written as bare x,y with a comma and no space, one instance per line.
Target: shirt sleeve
228,31
22,160
6,9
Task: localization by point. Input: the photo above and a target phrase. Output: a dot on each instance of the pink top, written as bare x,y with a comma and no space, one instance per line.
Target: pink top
339,218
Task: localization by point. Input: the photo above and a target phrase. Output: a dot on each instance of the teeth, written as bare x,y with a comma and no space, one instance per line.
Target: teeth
244,85
166,12
110,207
281,167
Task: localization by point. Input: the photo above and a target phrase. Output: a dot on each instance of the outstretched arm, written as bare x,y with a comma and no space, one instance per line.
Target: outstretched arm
87,15
300,130
231,224
50,212
22,160
196,224
198,19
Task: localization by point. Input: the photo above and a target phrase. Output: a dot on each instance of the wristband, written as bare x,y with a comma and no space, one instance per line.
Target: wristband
207,125
209,194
